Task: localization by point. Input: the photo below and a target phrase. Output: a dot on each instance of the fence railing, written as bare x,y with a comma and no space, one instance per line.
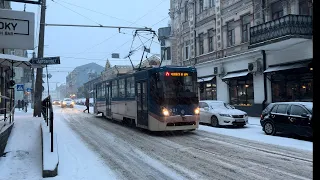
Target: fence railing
48,116
5,109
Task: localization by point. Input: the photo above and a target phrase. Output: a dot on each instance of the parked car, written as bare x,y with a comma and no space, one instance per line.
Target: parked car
67,102
56,102
288,117
219,113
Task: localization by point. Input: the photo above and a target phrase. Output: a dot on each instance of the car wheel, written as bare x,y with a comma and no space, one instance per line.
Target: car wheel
269,128
214,121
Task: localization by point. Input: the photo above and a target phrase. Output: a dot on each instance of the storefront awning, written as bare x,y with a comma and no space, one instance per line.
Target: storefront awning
15,61
286,67
205,79
235,74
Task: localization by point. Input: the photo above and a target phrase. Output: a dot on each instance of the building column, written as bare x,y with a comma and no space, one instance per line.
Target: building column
222,90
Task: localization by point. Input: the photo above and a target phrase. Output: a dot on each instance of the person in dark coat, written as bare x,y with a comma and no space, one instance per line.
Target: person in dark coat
45,105
87,105
19,104
22,104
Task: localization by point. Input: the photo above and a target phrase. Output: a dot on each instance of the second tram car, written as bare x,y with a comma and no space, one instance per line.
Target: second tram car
157,99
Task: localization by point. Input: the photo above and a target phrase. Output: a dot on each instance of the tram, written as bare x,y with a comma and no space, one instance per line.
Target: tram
157,99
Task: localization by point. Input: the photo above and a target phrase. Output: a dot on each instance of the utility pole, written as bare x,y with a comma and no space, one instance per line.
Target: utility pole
38,86
32,83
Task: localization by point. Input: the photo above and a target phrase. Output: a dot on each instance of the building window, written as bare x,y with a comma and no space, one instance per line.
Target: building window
208,90
200,6
230,34
304,8
245,20
241,91
168,50
210,40
211,3
277,10
186,12
187,50
130,87
201,49
290,86
115,88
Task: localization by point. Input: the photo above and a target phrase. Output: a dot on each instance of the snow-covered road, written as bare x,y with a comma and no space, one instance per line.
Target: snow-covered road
136,154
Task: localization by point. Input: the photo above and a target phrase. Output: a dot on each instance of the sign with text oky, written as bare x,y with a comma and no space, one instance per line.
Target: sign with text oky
17,29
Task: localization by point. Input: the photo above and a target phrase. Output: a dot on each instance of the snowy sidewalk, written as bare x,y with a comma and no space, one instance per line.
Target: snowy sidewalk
23,160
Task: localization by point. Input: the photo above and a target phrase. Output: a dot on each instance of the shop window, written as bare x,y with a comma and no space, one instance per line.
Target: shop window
292,87
208,90
241,91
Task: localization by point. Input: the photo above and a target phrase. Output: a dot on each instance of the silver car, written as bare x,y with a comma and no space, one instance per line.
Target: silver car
67,102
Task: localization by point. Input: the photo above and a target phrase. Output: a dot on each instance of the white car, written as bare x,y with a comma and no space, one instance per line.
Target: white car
67,102
219,113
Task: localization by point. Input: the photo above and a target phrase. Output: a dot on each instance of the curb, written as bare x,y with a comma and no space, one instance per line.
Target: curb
47,173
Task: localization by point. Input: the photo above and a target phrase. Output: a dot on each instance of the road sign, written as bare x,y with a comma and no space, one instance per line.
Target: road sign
46,60
20,87
29,89
49,76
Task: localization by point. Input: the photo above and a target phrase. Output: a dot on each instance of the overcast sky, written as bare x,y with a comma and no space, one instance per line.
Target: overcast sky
78,46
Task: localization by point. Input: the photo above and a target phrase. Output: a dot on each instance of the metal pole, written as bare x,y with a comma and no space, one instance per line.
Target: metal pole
38,88
12,91
32,83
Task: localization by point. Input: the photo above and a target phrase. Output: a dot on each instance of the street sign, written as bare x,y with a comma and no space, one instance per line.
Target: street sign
20,87
29,89
46,60
49,76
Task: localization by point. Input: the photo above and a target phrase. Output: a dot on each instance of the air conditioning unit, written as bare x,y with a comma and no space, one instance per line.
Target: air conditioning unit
218,70
254,66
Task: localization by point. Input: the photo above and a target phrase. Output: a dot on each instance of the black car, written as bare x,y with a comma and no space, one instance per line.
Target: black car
288,117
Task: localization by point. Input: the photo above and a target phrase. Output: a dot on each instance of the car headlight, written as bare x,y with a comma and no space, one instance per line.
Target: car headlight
165,112
72,102
245,115
197,111
63,102
225,115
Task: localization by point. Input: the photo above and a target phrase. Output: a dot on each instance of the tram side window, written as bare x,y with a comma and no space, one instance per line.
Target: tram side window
130,87
99,91
121,88
115,88
103,91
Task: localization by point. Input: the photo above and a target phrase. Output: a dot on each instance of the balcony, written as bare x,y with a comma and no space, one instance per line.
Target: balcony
282,32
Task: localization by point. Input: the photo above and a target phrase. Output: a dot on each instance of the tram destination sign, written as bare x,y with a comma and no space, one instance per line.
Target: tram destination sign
45,61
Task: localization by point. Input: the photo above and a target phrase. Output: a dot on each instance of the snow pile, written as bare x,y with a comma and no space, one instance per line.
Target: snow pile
50,159
253,131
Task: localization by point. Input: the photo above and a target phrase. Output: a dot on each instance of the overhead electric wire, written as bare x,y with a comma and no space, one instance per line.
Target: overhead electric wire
96,11
76,12
105,40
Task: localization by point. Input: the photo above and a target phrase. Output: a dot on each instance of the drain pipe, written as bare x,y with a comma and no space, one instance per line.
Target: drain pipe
264,79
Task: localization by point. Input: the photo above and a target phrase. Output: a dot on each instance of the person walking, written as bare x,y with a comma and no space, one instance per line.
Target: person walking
22,104
19,104
87,105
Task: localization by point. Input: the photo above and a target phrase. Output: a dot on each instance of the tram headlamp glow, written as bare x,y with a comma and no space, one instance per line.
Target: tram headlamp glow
165,112
197,111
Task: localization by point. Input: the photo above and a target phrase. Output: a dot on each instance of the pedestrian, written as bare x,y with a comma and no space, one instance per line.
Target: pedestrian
19,104
87,105
22,104
45,105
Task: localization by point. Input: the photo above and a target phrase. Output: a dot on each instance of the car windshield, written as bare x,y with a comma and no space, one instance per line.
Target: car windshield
309,107
67,99
221,105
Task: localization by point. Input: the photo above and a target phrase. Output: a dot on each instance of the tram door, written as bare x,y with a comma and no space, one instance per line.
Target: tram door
142,103
108,100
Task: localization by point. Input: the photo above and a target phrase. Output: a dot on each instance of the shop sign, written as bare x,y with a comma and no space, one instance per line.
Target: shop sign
16,29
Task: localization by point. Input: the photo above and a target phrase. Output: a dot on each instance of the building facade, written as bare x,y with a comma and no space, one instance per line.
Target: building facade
165,38
247,53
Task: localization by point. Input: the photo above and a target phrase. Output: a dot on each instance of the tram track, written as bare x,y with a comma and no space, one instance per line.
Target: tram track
193,155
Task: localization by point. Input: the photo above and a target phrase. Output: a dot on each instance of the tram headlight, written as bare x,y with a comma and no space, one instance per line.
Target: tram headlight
197,111
165,112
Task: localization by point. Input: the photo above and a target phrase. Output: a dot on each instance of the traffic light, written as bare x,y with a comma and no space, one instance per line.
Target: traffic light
12,83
